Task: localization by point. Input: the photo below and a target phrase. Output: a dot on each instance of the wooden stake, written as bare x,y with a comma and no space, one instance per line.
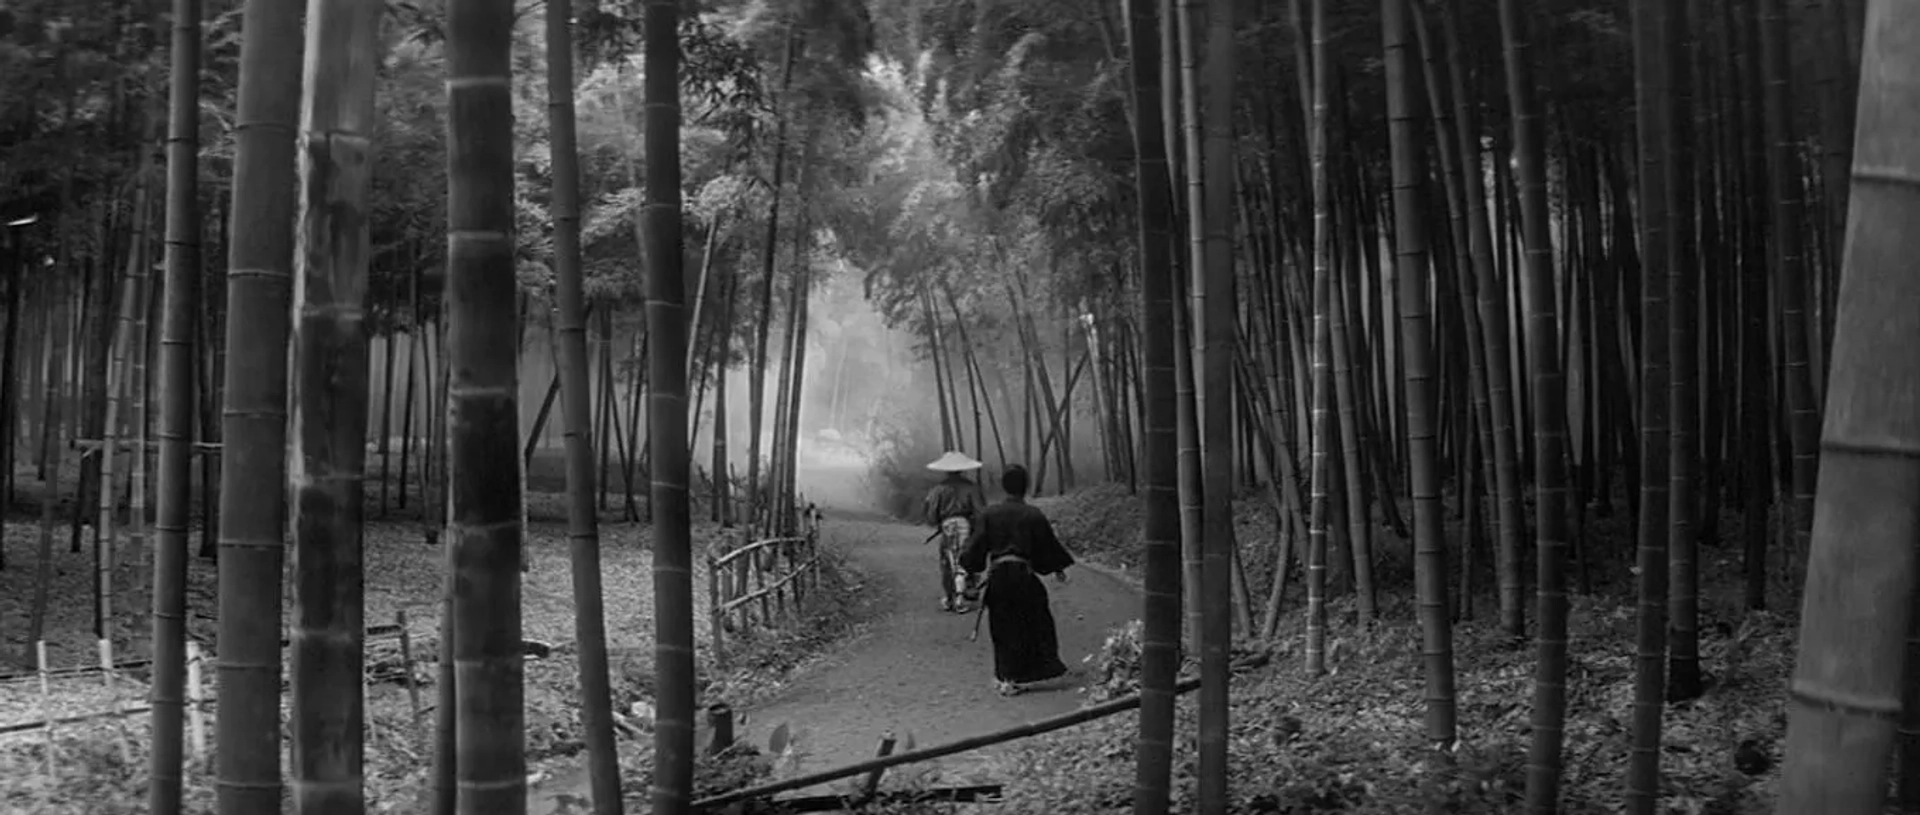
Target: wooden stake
720,720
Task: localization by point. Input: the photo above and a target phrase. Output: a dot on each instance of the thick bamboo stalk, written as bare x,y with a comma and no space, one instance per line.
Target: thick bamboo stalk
254,412
1845,694
164,787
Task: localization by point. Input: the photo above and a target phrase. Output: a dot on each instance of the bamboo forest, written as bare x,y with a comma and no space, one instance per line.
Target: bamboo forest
527,407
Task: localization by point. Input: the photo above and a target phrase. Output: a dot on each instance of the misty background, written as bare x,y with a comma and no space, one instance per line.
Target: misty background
869,421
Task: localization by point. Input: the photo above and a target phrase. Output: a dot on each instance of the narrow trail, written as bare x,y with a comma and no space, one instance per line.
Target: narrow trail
911,670
914,673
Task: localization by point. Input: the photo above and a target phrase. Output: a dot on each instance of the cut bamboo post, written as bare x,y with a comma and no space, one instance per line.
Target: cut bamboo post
46,708
720,719
406,665
196,700
113,697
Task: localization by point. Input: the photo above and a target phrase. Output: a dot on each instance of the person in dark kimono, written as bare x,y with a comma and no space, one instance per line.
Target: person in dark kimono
1014,545
951,508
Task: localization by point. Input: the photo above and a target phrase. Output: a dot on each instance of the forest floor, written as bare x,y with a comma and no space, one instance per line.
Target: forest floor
101,762
1352,740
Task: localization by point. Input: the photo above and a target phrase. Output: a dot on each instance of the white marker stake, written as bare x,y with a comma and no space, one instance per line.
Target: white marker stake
46,707
196,714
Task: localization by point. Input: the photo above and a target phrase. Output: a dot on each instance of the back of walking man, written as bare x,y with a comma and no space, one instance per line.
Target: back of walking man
952,507
1014,545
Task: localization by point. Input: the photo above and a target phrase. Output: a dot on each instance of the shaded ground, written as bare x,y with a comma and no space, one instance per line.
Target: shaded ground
402,573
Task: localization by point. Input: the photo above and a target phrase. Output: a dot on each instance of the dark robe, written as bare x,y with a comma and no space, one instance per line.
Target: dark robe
1014,544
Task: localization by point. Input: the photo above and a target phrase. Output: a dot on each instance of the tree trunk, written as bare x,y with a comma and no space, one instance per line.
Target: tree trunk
1684,325
327,469
1548,394
1860,581
1416,318
1180,89
1496,332
483,454
1160,642
757,375
790,456
723,361
176,414
1790,269
254,418
673,748
1652,26
583,518
106,546
1321,423
1221,325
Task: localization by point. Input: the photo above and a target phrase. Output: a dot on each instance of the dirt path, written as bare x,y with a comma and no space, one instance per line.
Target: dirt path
914,673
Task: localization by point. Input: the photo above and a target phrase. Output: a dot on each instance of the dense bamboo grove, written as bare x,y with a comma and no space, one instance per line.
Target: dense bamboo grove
1440,289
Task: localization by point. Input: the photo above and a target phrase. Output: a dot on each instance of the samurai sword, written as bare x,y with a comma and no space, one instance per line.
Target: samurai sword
979,611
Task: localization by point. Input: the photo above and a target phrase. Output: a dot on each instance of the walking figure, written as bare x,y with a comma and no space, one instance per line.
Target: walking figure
1014,545
951,509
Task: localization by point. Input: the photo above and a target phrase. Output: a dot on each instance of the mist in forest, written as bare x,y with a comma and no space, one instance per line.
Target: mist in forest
865,391
869,416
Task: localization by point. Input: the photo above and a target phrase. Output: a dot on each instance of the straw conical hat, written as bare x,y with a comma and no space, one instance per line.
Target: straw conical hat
954,462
